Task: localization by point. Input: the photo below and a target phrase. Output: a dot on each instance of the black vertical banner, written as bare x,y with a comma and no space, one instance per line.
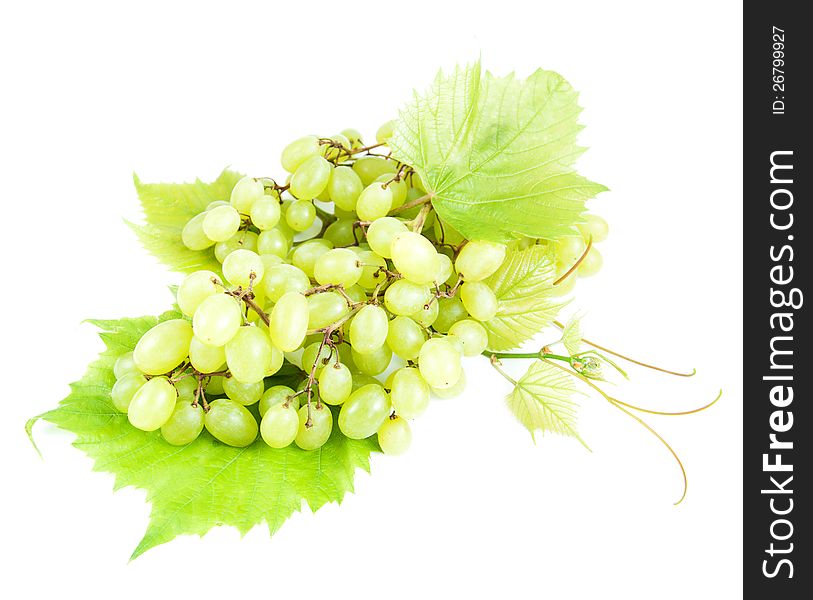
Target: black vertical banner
778,224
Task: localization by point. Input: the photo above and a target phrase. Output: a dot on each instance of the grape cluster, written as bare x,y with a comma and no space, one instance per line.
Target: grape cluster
338,271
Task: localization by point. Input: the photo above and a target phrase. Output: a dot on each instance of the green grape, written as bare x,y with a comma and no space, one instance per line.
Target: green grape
331,152
124,365
282,279
307,252
454,391
344,214
450,311
595,227
248,355
243,393
405,337
193,236
374,202
221,223
335,383
300,215
398,189
565,287
427,315
364,412
353,136
591,264
370,168
184,425
215,203
368,329
240,265
384,133
381,233
277,395
194,289
125,388
322,424
344,187
479,300
299,151
277,359
472,334
231,423
186,388
415,257
242,240
394,436
206,359
217,320
273,241
479,259
371,276
375,362
325,309
279,425
269,261
568,251
410,393
405,297
311,355
214,385
289,321
439,362
362,379
265,212
340,232
356,293
337,266
163,347
152,405
447,234
445,270
309,179
245,193
456,342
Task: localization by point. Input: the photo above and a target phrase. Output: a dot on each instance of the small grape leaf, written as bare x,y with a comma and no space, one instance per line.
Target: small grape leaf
167,208
496,154
572,335
542,401
525,297
195,487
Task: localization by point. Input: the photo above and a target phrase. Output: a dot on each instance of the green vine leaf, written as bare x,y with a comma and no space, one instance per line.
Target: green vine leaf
542,401
497,154
195,487
525,298
167,208
572,335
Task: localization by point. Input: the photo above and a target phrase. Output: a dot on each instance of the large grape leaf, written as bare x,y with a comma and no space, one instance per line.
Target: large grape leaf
525,297
206,483
167,208
542,400
497,154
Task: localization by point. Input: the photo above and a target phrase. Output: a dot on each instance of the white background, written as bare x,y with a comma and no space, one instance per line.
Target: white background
95,91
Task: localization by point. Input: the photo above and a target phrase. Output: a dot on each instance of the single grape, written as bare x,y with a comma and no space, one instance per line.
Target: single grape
353,136
410,393
269,261
300,215
243,393
415,257
231,423
239,267
405,337
364,412
184,425
381,233
374,202
193,236
398,189
214,385
591,264
124,365
479,300
345,187
451,392
242,240
186,388
369,168
337,266
206,359
245,193
371,275
273,241
248,355
445,270
265,212
309,179
356,293
341,232
362,379
277,358
405,297
450,311
221,223
299,151
375,362
335,383
311,438
479,259
568,251
277,395
368,329
284,278
163,347
394,436
428,314
125,388
305,255
279,425
217,319
152,405
472,334
289,321
439,363
384,133
325,308
194,289
595,227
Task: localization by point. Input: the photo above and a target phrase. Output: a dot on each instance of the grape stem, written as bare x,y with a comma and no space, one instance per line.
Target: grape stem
412,204
335,287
